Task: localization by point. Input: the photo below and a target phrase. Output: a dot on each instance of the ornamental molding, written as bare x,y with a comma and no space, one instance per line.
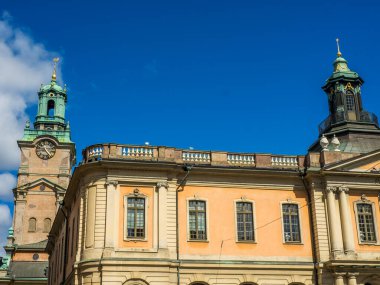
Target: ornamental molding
330,188
163,184
344,189
111,182
352,275
364,198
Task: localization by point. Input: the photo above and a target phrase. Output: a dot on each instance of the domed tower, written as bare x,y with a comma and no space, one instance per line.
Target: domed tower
47,157
357,130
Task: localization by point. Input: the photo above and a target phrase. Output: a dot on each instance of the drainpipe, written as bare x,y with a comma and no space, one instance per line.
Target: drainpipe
312,234
66,242
187,168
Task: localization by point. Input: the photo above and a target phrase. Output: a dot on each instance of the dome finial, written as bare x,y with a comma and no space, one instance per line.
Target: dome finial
339,54
54,76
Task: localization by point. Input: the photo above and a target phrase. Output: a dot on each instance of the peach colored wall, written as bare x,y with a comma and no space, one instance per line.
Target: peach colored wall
148,192
222,224
28,256
373,198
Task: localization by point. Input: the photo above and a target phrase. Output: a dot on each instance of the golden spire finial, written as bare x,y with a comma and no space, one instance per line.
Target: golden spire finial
54,76
339,54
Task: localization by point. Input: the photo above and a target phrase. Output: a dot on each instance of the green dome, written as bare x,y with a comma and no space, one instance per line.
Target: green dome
51,87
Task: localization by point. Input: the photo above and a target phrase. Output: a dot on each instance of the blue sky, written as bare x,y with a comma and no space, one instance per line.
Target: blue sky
224,75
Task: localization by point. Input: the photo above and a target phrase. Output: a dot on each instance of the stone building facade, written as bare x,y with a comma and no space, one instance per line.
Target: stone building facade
162,215
154,215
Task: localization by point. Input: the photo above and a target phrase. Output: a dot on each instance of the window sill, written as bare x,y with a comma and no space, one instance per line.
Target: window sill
293,242
135,240
246,241
369,243
198,240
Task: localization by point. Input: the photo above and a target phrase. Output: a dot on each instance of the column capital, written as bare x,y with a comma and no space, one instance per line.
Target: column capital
352,275
343,189
330,188
111,182
339,275
163,184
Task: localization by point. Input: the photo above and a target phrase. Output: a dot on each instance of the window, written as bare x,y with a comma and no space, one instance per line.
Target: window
50,108
197,220
350,100
32,225
291,223
136,217
244,216
365,223
47,225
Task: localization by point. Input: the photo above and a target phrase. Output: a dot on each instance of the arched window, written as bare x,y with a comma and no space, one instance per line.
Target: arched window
47,225
50,108
32,225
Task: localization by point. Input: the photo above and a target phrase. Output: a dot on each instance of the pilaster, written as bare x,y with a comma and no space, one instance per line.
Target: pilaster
110,226
162,189
335,236
347,231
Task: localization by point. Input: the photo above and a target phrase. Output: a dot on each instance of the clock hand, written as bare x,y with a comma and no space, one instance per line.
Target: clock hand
47,151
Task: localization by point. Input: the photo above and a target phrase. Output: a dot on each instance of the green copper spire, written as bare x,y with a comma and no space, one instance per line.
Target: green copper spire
50,119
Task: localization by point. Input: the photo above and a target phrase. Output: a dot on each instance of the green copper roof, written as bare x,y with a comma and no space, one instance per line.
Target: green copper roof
52,86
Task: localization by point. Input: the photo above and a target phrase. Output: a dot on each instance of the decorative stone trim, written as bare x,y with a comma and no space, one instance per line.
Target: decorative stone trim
112,182
163,184
343,189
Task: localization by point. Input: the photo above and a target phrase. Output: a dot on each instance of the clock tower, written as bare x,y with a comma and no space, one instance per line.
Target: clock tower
47,157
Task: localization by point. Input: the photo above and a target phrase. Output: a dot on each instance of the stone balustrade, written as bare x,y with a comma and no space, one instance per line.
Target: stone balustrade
95,152
137,152
196,156
241,159
284,161
181,156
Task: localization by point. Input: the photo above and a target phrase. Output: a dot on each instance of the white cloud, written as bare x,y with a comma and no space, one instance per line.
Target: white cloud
25,64
7,183
5,223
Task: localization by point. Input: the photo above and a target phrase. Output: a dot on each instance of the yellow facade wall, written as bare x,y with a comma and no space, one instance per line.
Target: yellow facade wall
221,222
146,243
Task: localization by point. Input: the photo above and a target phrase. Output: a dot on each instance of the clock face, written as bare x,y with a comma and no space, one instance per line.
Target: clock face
45,149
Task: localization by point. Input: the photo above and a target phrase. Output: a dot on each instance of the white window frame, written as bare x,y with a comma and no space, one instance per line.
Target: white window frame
299,220
374,217
253,220
125,229
188,219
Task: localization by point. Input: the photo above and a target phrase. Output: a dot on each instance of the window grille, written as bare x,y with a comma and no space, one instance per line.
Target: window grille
291,223
197,220
244,215
350,100
366,223
136,217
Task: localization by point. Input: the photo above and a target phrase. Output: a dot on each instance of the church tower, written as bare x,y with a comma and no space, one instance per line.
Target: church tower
47,157
356,129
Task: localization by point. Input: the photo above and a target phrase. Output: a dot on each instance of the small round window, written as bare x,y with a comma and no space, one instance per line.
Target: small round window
36,256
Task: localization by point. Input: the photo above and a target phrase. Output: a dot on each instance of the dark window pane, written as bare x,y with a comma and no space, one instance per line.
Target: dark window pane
136,217
291,223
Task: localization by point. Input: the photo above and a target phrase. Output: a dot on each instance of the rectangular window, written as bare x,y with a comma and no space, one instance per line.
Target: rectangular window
197,220
291,223
366,223
244,216
136,217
